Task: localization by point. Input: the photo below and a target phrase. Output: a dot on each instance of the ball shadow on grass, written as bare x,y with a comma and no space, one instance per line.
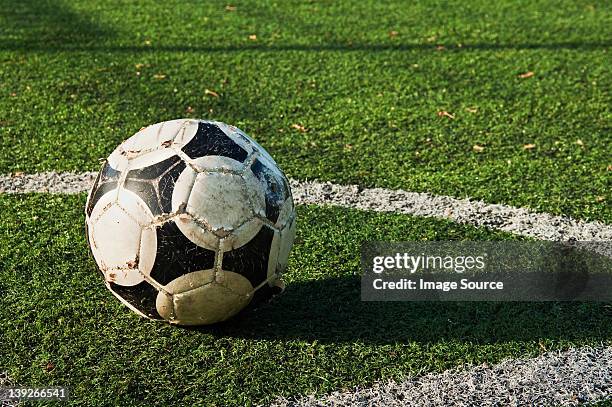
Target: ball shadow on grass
332,311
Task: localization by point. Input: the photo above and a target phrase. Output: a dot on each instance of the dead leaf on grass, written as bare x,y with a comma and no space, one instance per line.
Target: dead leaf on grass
299,128
444,113
211,93
477,148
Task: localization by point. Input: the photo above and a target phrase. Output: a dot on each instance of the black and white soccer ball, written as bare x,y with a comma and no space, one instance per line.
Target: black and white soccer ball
189,221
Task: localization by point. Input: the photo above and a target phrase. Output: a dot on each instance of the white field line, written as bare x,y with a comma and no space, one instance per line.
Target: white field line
511,219
565,378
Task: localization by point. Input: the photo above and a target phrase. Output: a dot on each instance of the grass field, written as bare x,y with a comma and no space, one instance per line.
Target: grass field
317,337
346,91
76,79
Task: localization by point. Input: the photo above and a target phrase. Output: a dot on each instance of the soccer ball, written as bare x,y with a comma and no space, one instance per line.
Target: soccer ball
189,221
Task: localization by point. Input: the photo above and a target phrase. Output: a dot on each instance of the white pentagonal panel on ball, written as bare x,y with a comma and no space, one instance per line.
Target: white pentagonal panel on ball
195,230
287,211
287,239
221,200
216,205
123,250
280,248
212,163
148,250
255,191
160,135
158,142
151,158
196,298
118,160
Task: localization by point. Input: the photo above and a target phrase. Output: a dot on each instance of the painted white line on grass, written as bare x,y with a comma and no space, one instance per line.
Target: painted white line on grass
565,378
511,219
519,221
50,182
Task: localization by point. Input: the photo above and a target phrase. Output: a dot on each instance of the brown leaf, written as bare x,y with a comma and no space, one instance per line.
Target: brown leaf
393,34
609,168
211,93
444,113
348,147
18,174
49,366
529,146
440,47
189,110
526,75
600,198
229,7
299,128
253,37
159,76
477,148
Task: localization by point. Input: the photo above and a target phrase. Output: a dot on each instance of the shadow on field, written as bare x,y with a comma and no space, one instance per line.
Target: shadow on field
54,26
332,311
39,46
47,24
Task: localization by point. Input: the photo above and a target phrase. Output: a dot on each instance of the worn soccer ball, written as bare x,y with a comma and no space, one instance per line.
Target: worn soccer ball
189,221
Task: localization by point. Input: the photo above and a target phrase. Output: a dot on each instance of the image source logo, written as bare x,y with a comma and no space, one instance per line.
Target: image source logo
486,271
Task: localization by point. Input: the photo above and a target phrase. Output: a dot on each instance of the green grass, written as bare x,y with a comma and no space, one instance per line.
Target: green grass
77,78
60,326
